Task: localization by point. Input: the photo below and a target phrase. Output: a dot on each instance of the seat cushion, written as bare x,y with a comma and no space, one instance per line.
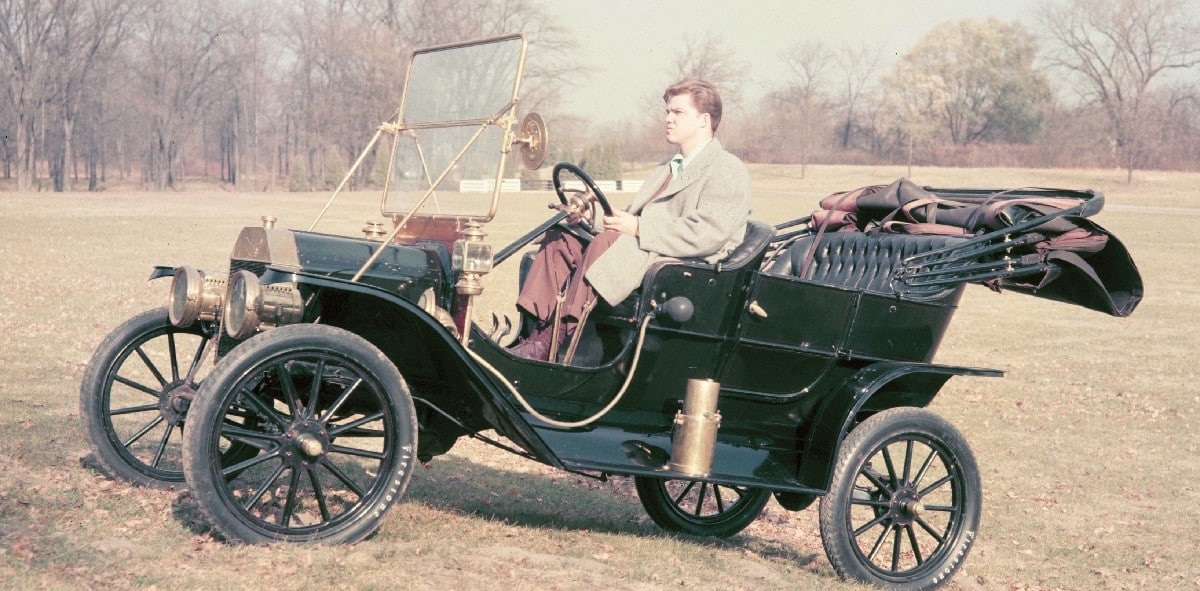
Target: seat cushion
853,260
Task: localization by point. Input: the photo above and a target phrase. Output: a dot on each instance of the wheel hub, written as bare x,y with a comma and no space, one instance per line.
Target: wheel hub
906,506
305,443
309,445
174,401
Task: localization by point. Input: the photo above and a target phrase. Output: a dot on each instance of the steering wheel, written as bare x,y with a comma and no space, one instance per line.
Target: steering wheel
580,203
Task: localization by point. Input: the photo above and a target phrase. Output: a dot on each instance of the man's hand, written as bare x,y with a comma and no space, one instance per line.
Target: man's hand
577,206
623,222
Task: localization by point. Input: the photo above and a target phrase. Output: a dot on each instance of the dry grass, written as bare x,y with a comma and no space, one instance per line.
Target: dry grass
1088,447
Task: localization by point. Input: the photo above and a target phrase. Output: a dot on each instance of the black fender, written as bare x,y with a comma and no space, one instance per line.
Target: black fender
501,411
160,271
874,388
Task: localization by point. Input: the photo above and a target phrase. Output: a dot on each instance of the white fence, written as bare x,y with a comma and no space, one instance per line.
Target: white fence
486,185
518,185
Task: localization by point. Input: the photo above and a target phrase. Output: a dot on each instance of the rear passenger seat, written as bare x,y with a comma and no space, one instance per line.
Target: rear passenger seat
853,260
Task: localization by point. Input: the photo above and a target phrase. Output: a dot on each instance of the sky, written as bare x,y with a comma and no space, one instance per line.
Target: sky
629,45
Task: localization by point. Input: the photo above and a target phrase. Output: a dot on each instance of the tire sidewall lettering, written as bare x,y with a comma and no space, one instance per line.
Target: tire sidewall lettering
955,559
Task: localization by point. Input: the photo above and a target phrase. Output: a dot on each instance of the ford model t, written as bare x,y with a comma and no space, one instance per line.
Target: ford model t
796,368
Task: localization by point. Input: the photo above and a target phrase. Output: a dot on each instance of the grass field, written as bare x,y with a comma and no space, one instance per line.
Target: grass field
1088,447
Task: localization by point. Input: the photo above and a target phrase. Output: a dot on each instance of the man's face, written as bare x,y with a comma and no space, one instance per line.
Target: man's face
686,126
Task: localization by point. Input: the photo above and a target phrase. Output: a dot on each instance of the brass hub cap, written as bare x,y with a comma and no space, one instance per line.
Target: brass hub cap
906,506
305,443
309,445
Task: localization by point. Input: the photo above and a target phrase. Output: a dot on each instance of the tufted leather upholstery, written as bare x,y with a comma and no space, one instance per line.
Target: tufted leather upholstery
854,260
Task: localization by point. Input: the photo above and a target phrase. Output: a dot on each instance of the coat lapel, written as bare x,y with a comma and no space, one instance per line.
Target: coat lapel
647,192
693,171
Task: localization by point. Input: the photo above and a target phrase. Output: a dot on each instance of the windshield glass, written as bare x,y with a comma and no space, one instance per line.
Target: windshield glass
449,129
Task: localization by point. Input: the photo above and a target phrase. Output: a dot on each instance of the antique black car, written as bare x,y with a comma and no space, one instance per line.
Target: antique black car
798,367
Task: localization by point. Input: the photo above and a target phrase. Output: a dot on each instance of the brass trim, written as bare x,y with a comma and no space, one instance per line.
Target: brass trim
273,246
534,137
194,295
694,437
505,118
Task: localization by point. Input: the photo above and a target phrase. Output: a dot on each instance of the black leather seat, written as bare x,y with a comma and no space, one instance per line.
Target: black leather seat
854,260
609,327
758,236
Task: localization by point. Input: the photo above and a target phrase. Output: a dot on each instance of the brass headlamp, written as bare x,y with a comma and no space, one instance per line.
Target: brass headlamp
472,259
194,295
249,304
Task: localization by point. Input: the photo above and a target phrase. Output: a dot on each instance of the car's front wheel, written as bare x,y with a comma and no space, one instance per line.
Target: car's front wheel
903,508
335,427
135,393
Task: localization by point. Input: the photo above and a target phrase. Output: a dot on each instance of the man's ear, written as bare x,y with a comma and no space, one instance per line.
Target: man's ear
707,121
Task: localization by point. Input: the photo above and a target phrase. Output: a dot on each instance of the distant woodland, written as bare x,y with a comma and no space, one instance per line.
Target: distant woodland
271,95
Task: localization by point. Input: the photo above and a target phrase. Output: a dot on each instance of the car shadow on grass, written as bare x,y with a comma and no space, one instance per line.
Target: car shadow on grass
562,501
550,499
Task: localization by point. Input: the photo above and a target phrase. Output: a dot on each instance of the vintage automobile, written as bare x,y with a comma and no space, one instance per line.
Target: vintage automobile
798,367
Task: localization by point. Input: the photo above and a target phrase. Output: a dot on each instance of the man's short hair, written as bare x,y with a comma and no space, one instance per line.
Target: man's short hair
704,95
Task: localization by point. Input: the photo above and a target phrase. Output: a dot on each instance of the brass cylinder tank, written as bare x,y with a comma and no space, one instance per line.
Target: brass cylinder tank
695,433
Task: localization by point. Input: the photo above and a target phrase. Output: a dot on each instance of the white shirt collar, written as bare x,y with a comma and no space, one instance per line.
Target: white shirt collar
679,162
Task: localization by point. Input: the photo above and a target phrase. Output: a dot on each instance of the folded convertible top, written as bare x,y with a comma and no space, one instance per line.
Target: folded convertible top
1032,240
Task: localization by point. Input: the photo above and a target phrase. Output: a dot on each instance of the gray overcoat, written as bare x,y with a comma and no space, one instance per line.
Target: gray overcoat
701,214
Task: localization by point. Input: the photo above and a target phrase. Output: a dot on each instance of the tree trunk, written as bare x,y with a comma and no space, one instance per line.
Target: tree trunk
57,170
64,184
25,164
171,162
93,180
234,141
274,173
911,143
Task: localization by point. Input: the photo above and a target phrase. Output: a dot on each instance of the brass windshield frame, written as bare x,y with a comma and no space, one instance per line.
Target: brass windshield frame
505,118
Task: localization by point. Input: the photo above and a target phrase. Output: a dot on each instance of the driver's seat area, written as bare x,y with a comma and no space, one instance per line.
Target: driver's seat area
711,286
748,253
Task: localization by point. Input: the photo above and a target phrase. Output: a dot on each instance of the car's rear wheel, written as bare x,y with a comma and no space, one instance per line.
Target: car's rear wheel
335,426
904,505
700,508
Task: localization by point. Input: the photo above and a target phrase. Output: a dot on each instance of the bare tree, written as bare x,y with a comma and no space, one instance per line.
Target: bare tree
856,65
231,84
1119,51
709,57
243,106
27,30
181,57
1181,136
912,111
89,31
802,104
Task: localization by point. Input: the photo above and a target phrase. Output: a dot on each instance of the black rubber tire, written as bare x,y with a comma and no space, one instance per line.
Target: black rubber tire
700,508
346,440
135,366
909,523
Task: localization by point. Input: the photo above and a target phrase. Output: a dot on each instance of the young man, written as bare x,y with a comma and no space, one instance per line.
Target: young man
694,205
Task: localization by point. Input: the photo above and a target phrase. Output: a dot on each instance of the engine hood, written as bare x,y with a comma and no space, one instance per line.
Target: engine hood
404,269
